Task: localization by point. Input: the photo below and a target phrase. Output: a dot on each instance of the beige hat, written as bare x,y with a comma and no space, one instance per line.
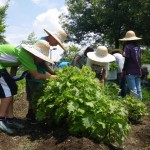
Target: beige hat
40,49
130,36
101,55
60,36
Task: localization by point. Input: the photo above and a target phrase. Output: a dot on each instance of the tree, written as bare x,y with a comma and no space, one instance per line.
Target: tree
31,39
2,23
69,54
108,19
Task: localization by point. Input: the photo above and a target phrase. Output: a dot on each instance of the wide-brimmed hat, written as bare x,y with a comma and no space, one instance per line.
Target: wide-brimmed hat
101,55
40,49
59,35
111,51
130,36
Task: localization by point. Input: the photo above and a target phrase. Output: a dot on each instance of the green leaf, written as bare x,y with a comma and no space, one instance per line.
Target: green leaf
91,104
88,121
72,106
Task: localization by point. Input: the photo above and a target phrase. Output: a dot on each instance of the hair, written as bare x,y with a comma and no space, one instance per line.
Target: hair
115,52
88,49
135,42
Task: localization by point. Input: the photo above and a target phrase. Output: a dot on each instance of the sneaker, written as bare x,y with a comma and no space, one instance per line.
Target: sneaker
15,123
5,128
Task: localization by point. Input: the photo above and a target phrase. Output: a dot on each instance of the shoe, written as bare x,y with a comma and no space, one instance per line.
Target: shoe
5,127
15,123
30,115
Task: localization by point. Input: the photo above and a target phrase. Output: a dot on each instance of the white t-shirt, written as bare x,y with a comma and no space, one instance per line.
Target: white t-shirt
120,61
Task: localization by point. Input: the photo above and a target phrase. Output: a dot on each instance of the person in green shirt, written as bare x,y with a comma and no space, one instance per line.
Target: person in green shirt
32,84
10,56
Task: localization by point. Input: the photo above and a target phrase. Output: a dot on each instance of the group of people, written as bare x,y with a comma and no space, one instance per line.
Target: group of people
129,64
34,59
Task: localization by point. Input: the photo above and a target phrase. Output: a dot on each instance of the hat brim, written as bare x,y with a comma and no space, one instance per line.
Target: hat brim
59,42
130,39
108,58
33,51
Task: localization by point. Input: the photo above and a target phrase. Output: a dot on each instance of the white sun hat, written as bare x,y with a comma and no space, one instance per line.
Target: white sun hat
101,55
40,49
60,36
130,36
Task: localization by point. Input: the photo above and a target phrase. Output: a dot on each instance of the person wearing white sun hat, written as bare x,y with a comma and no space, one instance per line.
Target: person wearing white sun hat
25,55
54,38
132,66
99,62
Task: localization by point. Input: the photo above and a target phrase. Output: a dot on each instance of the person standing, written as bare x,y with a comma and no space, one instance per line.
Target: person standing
80,57
121,82
132,66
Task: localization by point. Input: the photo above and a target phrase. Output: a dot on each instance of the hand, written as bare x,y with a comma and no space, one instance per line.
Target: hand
122,74
53,76
102,81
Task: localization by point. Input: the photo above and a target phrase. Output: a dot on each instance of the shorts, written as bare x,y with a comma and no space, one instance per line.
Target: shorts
8,87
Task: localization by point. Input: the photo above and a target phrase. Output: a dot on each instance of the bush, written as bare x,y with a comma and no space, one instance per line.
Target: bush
76,98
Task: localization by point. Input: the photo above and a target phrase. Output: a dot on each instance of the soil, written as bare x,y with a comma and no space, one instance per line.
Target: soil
43,137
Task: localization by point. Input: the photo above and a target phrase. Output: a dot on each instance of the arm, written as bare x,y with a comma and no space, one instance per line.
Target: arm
125,63
47,68
40,76
103,75
76,60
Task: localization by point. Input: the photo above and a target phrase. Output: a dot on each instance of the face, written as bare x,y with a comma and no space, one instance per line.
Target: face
52,41
38,60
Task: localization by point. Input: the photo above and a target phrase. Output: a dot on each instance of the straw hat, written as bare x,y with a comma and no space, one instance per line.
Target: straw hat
130,36
101,55
40,49
60,36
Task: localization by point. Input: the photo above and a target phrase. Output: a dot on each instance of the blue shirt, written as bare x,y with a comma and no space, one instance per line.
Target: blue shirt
63,64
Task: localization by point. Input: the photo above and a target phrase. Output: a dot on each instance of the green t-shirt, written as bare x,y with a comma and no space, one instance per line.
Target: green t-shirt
14,56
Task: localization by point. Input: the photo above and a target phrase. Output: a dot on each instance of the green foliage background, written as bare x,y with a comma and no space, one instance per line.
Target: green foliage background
2,24
110,19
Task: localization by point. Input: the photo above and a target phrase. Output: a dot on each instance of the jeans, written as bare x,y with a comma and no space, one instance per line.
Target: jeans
134,84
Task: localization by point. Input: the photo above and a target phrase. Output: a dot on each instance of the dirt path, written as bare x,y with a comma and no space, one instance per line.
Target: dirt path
36,137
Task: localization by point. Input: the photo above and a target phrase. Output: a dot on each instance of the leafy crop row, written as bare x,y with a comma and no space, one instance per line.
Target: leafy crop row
78,100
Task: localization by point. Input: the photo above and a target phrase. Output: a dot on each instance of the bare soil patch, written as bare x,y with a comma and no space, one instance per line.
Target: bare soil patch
43,137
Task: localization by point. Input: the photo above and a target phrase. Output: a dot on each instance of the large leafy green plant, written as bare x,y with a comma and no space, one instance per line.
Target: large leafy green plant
136,108
113,66
76,99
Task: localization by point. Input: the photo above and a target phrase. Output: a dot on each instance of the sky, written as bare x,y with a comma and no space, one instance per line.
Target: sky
27,16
